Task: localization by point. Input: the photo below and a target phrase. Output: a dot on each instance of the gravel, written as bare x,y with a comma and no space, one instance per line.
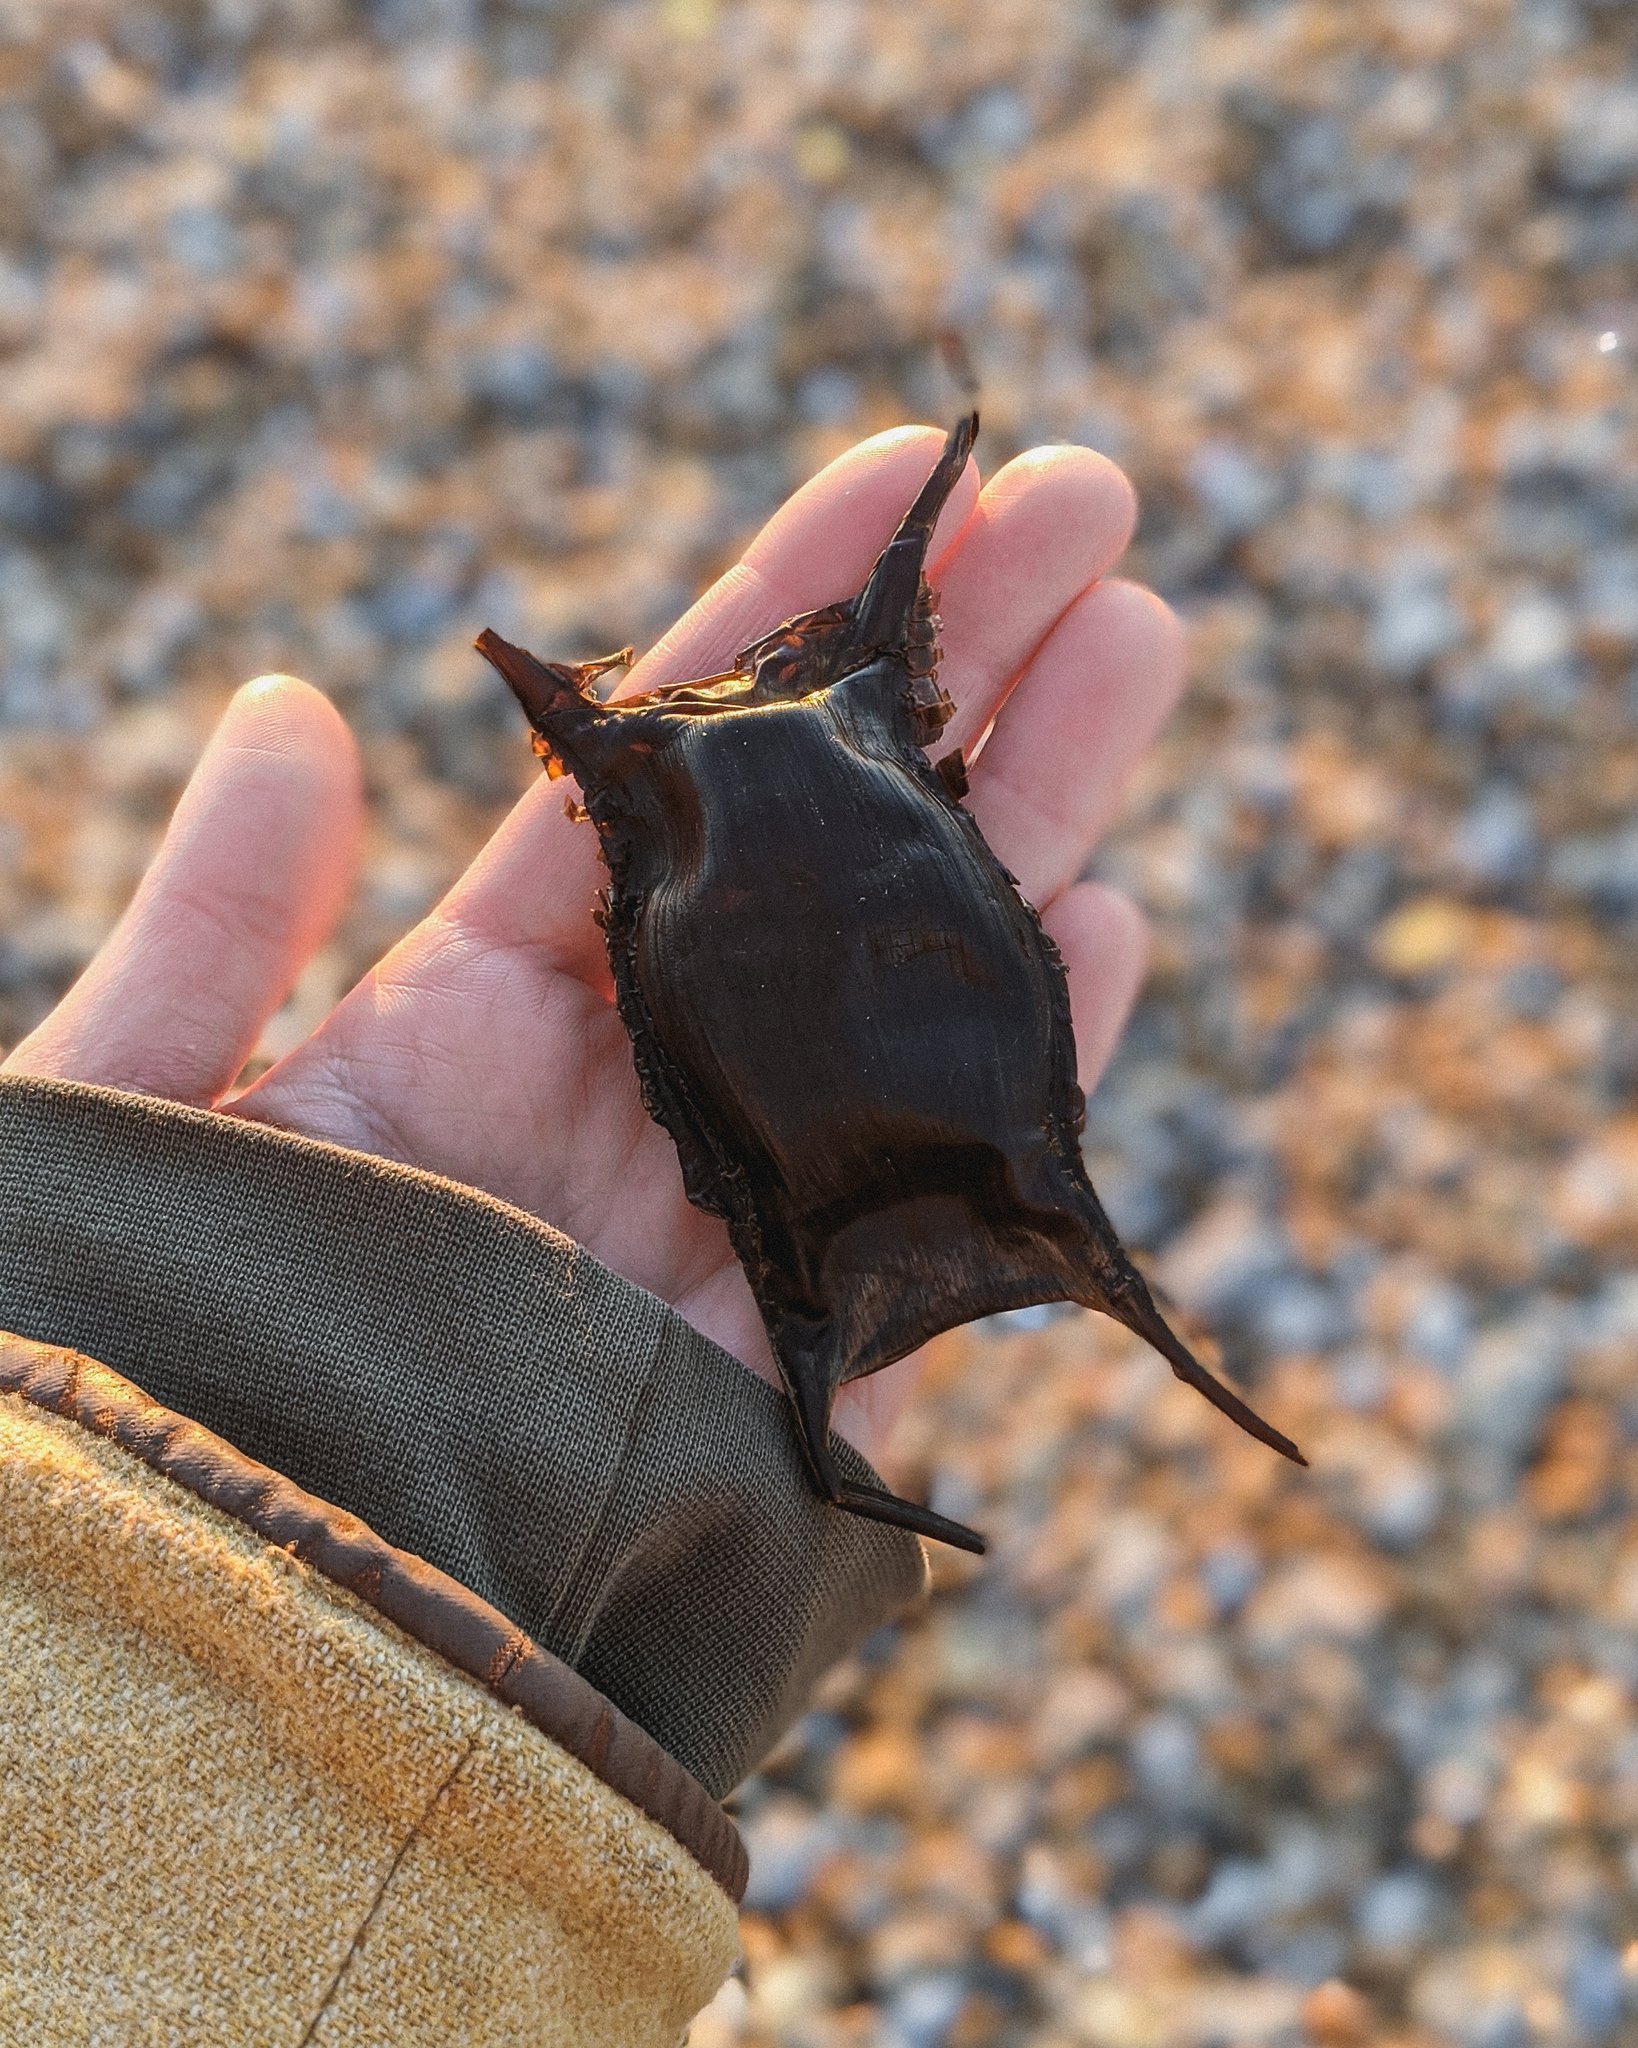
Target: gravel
333,333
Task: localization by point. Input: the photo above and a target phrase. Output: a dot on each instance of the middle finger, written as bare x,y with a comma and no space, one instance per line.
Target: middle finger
1096,693
1045,527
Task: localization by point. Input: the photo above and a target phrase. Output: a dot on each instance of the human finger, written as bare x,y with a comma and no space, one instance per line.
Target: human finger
1045,527
535,882
251,875
1098,690
1104,940
818,547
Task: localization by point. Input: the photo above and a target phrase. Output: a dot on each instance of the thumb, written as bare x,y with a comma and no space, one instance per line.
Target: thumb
252,873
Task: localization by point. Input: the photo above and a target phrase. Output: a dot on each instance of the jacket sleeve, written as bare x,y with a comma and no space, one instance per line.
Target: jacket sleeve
264,1782
473,1386
388,1594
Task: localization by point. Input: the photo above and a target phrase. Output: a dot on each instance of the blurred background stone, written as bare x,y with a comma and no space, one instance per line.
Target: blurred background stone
335,332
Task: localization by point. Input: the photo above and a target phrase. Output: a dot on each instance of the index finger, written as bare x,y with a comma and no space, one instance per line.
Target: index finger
535,883
819,546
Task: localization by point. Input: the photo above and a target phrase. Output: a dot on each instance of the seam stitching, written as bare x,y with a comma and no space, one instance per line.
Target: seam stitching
382,1889
575,1613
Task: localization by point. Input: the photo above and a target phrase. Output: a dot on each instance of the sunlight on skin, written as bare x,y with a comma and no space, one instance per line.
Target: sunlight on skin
256,866
485,1046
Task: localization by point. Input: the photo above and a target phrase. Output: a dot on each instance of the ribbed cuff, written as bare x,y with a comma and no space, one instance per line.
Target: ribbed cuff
466,1380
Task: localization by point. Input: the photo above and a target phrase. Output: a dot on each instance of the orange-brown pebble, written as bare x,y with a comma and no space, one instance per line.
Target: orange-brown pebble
1334,2015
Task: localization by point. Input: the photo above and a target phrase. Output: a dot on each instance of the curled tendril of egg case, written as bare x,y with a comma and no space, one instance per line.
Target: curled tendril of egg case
842,1009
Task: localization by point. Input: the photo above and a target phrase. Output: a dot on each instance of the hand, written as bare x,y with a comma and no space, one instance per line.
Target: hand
485,1046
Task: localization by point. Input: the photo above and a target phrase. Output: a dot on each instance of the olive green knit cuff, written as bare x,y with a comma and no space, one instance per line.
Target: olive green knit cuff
466,1380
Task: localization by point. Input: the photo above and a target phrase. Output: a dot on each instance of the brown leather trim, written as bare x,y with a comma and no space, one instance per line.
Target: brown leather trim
422,1601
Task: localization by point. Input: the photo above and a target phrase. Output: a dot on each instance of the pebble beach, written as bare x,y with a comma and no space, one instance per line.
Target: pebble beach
333,334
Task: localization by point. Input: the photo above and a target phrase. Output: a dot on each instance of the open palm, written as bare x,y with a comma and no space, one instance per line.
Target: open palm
485,1046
